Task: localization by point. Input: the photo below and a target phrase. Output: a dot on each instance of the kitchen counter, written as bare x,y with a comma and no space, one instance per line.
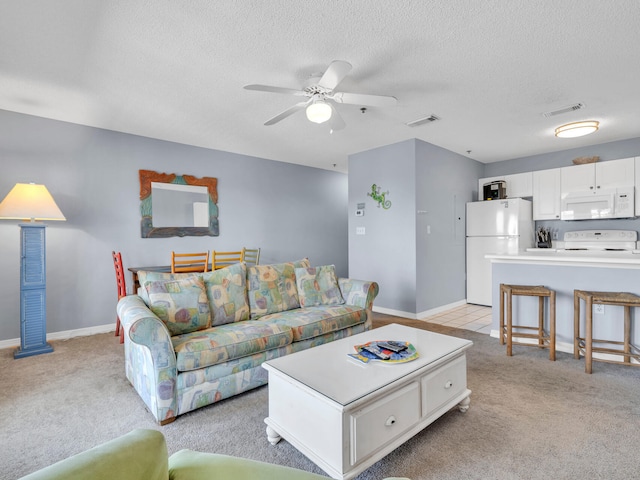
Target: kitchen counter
565,272
543,256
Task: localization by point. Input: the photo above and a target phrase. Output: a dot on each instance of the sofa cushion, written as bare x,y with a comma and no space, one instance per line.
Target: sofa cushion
318,286
181,304
272,288
314,321
145,277
227,292
227,342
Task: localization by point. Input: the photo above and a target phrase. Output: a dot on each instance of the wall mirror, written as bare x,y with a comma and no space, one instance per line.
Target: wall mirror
177,205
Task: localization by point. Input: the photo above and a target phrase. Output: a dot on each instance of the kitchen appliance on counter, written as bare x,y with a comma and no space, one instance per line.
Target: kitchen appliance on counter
500,226
496,190
599,241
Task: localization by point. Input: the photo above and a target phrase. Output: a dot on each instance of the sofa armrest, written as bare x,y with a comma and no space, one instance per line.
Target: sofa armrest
150,359
358,292
190,465
139,454
361,294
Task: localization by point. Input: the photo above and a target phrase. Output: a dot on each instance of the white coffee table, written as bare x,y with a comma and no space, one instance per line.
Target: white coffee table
345,415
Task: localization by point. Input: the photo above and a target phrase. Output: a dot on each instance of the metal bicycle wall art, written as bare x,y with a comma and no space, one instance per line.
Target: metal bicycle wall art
379,197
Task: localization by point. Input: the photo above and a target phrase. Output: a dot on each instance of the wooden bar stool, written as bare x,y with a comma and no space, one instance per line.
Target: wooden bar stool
510,331
621,299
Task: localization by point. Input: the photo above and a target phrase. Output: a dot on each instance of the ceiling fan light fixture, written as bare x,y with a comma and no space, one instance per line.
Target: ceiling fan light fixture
319,111
577,129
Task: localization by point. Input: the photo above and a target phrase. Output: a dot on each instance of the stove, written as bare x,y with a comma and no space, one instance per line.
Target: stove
600,241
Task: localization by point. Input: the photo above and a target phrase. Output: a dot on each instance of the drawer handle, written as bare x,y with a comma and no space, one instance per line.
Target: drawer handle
390,421
449,384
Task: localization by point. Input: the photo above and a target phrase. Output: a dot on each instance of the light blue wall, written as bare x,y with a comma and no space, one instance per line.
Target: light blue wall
387,251
288,210
446,182
428,187
563,158
606,152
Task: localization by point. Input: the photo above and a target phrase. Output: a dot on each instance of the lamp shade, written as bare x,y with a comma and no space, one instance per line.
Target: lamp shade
30,201
319,112
577,129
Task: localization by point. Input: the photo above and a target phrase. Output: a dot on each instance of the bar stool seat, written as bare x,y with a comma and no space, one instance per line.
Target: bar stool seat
585,344
509,331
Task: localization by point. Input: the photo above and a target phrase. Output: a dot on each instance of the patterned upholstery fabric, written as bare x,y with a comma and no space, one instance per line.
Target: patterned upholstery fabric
227,292
228,342
176,374
181,304
314,321
145,277
272,288
318,286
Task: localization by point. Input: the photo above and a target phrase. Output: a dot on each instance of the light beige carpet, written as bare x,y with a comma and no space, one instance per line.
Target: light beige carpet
529,418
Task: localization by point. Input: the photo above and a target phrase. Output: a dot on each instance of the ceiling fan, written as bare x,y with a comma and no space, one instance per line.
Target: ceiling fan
321,97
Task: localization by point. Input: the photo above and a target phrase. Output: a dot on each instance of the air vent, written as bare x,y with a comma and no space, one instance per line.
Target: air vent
422,121
570,108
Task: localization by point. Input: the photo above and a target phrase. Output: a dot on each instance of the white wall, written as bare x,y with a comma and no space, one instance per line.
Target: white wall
290,211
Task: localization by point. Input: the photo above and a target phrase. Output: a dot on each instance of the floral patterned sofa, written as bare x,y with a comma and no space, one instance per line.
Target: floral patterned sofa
193,339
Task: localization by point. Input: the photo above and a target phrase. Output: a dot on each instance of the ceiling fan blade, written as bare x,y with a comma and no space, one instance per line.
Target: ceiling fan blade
364,99
268,88
335,73
288,112
335,122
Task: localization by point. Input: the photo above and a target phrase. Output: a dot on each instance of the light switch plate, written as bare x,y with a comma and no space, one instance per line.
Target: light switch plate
360,231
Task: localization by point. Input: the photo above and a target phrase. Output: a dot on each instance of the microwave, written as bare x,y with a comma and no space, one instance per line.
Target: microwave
605,203
496,190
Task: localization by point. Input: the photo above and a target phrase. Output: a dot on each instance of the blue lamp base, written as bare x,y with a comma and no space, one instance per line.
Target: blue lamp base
28,352
33,298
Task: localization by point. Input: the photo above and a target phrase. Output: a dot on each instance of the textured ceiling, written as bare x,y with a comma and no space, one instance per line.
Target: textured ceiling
174,70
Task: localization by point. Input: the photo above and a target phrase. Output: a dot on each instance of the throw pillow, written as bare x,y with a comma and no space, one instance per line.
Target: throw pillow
146,276
272,288
227,292
318,286
181,304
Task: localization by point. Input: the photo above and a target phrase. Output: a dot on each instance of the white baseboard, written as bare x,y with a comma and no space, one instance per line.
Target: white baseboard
66,335
419,315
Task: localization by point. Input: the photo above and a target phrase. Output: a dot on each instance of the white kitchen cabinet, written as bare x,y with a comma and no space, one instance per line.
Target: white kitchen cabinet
595,176
546,194
637,177
518,184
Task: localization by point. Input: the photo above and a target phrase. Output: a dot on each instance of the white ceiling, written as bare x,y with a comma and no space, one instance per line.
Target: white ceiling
174,70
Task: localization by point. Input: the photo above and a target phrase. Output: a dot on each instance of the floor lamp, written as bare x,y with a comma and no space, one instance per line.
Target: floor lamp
31,202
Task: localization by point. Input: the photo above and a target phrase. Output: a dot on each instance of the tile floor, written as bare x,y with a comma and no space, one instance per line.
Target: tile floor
468,317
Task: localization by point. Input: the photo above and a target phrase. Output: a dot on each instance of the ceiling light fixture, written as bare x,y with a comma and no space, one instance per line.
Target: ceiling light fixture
319,111
577,129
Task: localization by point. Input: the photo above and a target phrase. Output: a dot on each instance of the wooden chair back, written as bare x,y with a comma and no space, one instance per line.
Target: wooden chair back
224,259
252,256
120,282
189,262
122,289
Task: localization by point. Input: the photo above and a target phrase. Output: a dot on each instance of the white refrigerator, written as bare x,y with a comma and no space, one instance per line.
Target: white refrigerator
494,226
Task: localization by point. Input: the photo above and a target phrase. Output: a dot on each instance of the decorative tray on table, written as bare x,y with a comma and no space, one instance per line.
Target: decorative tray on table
385,351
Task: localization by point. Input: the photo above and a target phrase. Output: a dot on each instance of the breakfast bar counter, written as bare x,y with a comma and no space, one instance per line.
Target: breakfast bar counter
565,272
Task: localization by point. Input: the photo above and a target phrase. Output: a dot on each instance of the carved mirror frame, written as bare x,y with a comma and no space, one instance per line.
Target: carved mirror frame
147,230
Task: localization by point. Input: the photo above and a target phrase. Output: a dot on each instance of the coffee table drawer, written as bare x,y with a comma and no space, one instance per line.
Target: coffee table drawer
444,384
383,421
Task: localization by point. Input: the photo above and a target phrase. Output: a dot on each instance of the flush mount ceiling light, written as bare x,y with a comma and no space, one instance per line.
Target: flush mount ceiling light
577,129
319,111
